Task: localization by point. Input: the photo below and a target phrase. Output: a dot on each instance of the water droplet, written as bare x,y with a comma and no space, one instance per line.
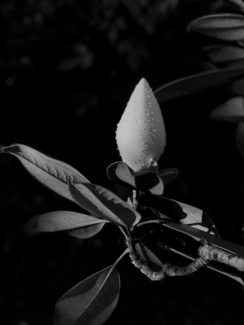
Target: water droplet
134,129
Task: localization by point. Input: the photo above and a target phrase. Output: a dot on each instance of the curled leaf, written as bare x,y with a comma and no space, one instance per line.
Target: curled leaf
168,175
229,27
103,203
91,301
231,111
143,180
50,172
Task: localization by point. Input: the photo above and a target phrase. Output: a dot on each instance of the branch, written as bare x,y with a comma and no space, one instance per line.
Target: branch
168,269
214,253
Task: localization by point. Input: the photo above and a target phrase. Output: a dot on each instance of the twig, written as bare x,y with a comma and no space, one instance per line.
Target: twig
168,269
214,253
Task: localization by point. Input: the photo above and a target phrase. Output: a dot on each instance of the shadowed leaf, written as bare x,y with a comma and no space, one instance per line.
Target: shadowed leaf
223,53
50,172
90,302
196,83
168,175
231,111
67,220
103,203
149,181
235,4
198,235
229,27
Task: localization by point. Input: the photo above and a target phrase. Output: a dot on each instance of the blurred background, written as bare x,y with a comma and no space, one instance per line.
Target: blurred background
68,68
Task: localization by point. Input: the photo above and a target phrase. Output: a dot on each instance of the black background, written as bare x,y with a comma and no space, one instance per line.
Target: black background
68,69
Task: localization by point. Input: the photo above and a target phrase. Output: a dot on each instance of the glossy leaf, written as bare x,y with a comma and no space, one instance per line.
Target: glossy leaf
103,203
231,275
147,255
197,83
67,220
181,213
90,302
240,137
50,172
198,235
229,27
235,4
231,111
224,53
168,175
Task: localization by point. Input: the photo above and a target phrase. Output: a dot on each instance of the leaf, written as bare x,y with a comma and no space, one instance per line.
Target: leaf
231,111
210,266
198,235
198,82
147,255
224,53
236,4
103,203
182,213
229,27
240,137
67,220
120,172
144,180
168,175
50,172
90,302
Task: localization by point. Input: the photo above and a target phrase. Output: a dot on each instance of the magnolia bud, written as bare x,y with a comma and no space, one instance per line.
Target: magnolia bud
141,134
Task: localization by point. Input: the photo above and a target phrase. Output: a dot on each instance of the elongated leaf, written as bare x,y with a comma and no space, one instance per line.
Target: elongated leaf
198,235
236,4
197,83
67,220
223,53
210,266
90,302
182,213
103,203
229,27
50,172
231,111
147,255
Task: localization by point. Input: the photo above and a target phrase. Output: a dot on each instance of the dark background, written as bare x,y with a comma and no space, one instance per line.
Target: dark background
68,68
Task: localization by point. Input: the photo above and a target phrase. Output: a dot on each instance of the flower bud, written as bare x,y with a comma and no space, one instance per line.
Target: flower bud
141,134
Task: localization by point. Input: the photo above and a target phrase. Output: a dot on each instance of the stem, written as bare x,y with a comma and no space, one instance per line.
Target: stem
214,253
